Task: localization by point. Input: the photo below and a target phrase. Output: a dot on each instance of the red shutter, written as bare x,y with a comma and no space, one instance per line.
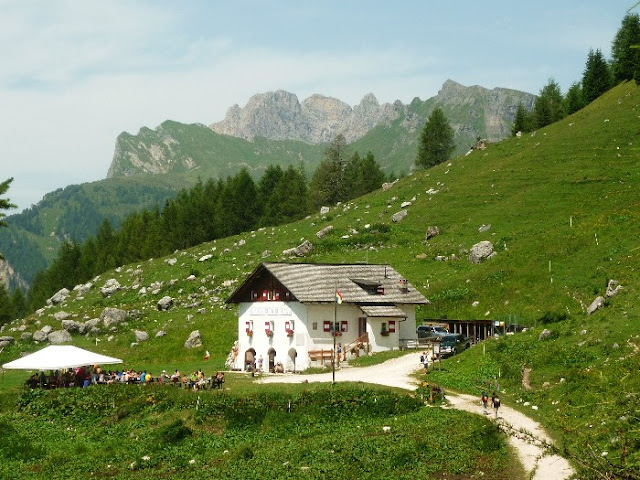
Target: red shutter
327,326
392,326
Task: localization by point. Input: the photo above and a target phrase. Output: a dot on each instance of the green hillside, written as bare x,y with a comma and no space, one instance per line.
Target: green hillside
564,216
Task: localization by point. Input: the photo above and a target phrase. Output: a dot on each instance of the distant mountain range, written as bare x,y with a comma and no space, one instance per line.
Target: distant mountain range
272,128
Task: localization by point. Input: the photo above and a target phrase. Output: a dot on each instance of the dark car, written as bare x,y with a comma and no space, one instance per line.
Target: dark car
430,331
453,343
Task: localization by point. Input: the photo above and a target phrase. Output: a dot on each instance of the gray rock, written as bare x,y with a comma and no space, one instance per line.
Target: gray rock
484,228
39,336
399,216
72,326
206,257
110,287
6,338
324,231
59,297
165,303
432,231
26,336
301,250
4,343
141,336
613,287
83,289
480,251
171,261
111,316
388,185
615,346
544,334
597,304
405,204
95,331
160,334
324,210
194,340
47,329
61,315
59,336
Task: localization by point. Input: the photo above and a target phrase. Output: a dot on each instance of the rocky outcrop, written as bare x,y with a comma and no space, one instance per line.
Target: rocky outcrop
194,340
280,116
481,251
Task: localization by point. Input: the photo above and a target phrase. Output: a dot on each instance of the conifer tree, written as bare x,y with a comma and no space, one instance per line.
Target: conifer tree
573,100
596,78
5,204
436,140
522,121
548,107
625,49
327,185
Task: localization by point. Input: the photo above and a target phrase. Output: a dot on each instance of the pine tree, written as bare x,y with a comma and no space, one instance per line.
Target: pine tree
625,51
522,121
548,107
5,204
327,186
573,100
596,78
436,141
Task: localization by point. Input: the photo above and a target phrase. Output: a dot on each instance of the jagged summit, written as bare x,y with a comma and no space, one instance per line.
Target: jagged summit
280,115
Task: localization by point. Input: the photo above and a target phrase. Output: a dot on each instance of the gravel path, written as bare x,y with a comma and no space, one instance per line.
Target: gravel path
525,435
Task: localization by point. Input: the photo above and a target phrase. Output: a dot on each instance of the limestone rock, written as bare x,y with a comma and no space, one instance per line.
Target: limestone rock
613,287
110,287
597,304
161,333
484,228
59,297
324,210
545,334
300,251
59,336
71,325
432,231
194,340
324,231
61,315
481,251
399,216
39,336
112,316
141,336
165,303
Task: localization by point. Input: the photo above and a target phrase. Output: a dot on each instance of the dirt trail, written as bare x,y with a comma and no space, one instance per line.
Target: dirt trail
525,435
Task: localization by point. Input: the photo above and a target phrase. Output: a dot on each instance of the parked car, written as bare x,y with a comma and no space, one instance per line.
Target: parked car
430,331
453,343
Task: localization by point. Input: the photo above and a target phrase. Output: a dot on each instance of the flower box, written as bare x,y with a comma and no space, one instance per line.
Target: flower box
289,333
384,333
269,333
249,333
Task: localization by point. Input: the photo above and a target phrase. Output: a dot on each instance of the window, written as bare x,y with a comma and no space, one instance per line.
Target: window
327,326
314,326
392,326
344,326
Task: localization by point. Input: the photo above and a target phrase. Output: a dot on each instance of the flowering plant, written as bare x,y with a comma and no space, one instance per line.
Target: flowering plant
269,333
289,332
249,333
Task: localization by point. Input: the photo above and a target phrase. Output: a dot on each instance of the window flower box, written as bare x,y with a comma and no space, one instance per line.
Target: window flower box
384,333
337,333
289,332
249,333
269,333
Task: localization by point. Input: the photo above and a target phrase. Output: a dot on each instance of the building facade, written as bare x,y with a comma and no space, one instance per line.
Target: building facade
290,315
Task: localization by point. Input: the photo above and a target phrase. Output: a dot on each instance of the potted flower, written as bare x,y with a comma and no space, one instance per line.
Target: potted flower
384,333
289,332
269,333
249,332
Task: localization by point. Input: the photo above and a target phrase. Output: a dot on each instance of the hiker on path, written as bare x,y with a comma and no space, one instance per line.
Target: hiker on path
424,358
485,400
495,400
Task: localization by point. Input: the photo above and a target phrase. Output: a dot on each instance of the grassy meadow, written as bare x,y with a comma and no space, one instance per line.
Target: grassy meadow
564,215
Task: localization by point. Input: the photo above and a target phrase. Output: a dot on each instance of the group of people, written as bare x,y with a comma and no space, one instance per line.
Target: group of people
495,402
86,376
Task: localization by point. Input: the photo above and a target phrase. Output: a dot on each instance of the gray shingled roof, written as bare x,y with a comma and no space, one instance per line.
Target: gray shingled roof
382,311
310,282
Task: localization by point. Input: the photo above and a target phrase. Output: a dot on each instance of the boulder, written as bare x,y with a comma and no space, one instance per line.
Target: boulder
59,297
481,251
39,336
160,334
83,289
405,204
613,287
194,340
484,228
7,338
165,303
4,344
206,257
111,316
387,185
171,261
324,210
301,250
93,322
61,315
59,336
545,334
72,326
109,288
26,336
141,336
324,231
398,216
432,231
47,329
597,304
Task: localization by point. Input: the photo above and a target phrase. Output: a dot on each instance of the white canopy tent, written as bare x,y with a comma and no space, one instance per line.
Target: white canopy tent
56,357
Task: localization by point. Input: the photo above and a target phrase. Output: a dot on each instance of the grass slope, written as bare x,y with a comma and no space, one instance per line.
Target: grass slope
564,216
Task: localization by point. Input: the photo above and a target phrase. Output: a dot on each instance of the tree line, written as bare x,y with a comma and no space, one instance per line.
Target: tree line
598,77
209,210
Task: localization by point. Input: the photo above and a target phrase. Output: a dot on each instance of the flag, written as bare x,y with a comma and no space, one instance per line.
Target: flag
338,296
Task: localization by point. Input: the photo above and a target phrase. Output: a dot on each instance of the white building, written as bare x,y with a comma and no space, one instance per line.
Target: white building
289,313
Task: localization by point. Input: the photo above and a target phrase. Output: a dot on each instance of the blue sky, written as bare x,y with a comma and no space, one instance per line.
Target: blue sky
75,74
